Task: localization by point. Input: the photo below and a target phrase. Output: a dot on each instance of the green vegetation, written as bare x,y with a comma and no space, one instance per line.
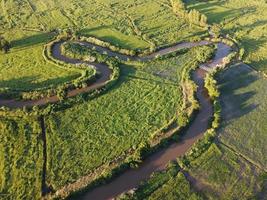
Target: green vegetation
4,45
193,16
221,174
244,107
25,68
131,114
215,170
27,25
218,173
170,184
131,24
244,20
90,134
75,50
21,157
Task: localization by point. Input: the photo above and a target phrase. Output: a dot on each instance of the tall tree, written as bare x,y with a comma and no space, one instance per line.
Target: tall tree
4,45
203,20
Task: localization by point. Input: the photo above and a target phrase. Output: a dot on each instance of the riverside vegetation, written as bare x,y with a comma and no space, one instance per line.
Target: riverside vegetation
87,134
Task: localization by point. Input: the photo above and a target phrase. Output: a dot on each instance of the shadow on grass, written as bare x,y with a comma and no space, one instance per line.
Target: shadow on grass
29,83
217,17
235,104
32,40
118,41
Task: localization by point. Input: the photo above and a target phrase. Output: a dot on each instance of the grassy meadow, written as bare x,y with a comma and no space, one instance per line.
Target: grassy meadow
129,24
130,114
217,174
95,133
146,98
21,158
234,167
244,108
24,67
243,19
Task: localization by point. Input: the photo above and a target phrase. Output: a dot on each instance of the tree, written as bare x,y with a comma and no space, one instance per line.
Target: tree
203,20
215,30
178,6
4,45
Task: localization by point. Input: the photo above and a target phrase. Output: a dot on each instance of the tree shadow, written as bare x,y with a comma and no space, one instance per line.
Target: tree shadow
28,83
235,104
229,13
32,40
251,26
118,41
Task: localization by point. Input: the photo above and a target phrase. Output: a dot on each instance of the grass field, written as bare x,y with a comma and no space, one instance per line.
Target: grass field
221,174
94,133
147,97
170,184
243,19
87,136
25,68
21,159
244,108
122,22
125,23
218,173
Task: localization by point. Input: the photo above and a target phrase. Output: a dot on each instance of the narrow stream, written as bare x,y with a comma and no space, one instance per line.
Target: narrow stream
156,162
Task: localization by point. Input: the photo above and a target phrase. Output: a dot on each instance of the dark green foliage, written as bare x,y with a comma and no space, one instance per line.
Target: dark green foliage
192,16
216,30
21,158
4,45
211,86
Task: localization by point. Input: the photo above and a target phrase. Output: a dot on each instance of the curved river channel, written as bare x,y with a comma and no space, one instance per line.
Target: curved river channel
131,178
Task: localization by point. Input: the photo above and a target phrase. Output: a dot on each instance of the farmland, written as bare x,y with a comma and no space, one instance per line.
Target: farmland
97,95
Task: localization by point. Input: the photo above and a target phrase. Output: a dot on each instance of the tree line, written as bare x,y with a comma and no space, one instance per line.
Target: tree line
193,16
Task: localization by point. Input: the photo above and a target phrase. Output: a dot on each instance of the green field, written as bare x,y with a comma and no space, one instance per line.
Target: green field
25,69
130,114
221,174
216,174
94,133
21,155
27,23
244,103
91,134
235,166
243,19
